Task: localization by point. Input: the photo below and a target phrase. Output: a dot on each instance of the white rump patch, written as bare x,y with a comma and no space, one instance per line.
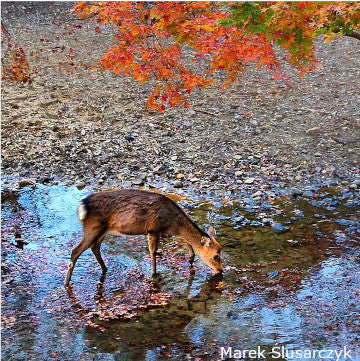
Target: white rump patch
81,212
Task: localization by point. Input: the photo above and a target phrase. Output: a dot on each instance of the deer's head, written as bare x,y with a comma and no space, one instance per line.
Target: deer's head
210,251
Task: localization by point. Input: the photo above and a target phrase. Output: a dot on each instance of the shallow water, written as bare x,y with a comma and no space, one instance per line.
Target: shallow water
291,279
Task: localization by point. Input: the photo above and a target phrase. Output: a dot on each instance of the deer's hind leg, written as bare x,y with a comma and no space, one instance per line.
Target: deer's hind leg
92,233
96,250
153,240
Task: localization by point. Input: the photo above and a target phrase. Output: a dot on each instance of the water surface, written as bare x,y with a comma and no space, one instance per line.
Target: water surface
291,279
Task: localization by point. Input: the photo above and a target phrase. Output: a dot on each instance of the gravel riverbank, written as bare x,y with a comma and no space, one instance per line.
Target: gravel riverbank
87,127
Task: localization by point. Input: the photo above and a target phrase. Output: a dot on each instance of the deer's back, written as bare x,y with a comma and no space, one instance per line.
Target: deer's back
131,211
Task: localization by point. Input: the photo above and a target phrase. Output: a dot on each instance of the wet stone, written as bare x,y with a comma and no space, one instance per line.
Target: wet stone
178,184
295,192
137,182
249,180
80,185
257,194
194,180
26,182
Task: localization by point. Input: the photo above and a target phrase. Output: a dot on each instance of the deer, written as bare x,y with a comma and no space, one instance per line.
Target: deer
139,212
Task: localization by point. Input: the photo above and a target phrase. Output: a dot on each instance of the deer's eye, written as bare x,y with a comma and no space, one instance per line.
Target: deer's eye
216,257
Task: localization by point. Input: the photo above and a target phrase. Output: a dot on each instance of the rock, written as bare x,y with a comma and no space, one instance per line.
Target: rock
277,226
313,131
100,181
350,204
239,219
296,192
266,221
239,173
255,223
159,170
214,177
180,176
137,182
254,161
249,180
80,185
194,180
178,184
26,182
257,194
129,138
340,140
293,242
318,154
143,176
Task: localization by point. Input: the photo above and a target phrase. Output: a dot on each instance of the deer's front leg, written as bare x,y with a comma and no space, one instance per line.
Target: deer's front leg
153,243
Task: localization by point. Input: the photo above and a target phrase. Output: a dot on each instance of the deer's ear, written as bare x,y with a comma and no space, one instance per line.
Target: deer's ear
205,242
211,232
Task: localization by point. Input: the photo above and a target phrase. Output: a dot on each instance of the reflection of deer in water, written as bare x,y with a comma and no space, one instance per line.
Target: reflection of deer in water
158,328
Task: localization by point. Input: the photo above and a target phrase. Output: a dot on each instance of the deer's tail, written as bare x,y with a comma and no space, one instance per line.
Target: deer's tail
82,209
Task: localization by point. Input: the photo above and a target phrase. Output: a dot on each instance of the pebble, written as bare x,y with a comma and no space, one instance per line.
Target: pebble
26,182
80,185
266,221
257,194
239,173
180,176
255,223
178,184
295,192
313,131
159,170
137,182
277,226
249,180
239,219
194,180
214,177
293,242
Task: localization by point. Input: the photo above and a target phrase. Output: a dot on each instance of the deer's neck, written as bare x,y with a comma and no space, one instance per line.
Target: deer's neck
190,234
